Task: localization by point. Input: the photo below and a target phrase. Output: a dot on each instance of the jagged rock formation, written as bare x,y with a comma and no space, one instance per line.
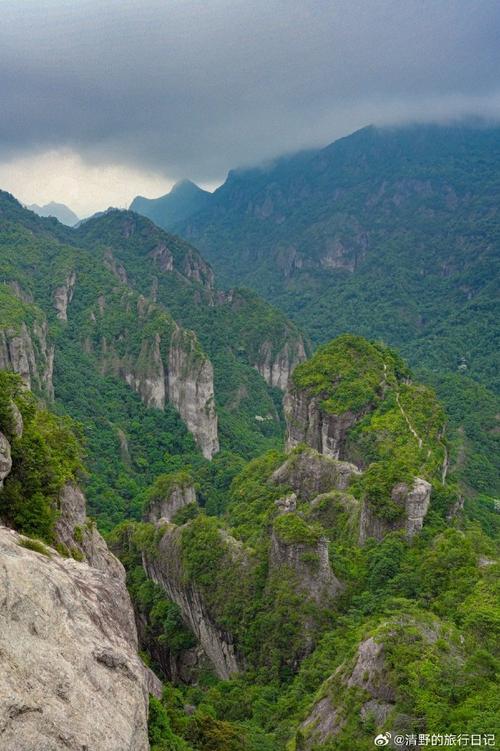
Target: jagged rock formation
191,389
277,367
76,532
168,366
308,423
71,677
27,351
414,503
5,458
356,400
63,295
309,561
163,509
310,473
166,568
368,681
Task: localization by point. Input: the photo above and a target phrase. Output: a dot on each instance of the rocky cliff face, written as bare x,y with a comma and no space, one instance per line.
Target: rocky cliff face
414,502
26,351
164,509
5,458
276,367
166,568
310,564
169,365
310,473
76,532
71,677
307,423
363,689
63,295
191,389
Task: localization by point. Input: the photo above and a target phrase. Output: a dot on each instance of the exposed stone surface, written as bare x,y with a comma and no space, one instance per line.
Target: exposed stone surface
17,420
182,667
27,352
148,374
166,569
310,473
70,676
5,458
74,530
115,266
164,509
170,366
368,673
191,389
63,295
307,423
276,367
310,563
414,502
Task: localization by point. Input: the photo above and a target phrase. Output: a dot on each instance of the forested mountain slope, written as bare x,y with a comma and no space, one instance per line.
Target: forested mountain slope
340,593
124,327
389,233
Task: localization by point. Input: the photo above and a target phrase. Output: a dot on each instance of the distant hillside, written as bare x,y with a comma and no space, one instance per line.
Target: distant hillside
392,234
184,199
124,327
57,210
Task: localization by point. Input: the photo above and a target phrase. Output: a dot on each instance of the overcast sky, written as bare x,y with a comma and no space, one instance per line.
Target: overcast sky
105,99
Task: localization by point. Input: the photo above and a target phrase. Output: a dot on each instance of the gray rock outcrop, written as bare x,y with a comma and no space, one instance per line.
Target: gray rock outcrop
164,509
310,563
26,351
74,530
5,458
276,367
414,503
367,677
191,389
71,678
310,473
63,295
166,569
308,423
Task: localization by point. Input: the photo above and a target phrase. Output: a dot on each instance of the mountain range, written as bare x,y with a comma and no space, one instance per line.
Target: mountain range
389,233
247,503
58,210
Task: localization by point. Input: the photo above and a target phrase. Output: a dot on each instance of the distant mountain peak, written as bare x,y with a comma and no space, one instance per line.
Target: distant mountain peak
58,210
186,186
185,199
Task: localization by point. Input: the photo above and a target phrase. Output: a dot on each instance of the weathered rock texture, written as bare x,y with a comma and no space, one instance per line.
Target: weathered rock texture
191,389
75,531
63,295
5,458
70,676
27,352
169,366
310,473
367,676
307,423
164,509
310,564
166,569
276,366
414,503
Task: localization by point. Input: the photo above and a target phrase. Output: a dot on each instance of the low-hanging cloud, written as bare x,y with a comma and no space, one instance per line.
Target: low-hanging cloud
192,88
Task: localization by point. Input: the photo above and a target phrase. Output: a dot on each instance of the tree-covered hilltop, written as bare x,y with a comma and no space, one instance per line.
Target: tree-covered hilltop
391,234
123,326
341,590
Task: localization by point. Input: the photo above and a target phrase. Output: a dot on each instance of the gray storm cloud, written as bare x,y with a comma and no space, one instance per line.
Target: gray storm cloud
194,88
